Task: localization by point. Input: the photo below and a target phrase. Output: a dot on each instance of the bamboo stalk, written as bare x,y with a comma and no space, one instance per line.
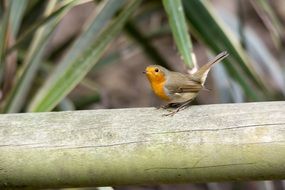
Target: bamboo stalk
226,142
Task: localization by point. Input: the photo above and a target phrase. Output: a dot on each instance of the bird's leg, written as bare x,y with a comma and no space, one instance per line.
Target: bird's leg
163,106
181,107
170,105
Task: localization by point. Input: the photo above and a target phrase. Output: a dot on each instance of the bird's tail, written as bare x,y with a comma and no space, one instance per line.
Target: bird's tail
202,73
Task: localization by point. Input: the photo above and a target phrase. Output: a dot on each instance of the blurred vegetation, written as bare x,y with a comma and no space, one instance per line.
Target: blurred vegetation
35,77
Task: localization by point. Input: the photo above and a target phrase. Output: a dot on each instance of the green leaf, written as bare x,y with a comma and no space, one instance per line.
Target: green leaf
54,15
265,62
270,20
9,28
207,28
4,23
17,13
71,71
87,37
107,59
177,21
33,60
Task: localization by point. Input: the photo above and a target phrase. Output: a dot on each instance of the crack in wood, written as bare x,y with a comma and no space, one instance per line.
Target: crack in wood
104,146
74,147
19,145
218,129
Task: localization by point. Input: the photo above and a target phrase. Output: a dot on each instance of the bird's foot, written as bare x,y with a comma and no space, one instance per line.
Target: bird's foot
173,112
181,107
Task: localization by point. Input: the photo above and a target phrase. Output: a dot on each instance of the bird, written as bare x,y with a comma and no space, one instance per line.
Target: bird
176,88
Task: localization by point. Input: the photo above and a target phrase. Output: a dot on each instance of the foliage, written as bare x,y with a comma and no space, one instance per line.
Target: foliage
32,82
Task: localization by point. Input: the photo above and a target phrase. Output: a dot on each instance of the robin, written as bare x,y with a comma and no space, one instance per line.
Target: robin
176,88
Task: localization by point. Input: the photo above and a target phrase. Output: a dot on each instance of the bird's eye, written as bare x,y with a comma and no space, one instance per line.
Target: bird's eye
156,70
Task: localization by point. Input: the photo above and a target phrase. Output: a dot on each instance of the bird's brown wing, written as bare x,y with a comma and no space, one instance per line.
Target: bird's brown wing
179,83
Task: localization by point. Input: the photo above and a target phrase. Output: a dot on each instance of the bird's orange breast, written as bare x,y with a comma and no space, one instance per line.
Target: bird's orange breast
158,88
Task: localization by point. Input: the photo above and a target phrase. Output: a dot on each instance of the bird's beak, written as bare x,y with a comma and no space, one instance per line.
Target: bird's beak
144,72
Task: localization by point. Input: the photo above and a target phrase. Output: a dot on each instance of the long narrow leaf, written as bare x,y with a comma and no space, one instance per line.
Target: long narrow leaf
264,62
4,26
17,12
177,21
55,14
32,61
270,20
58,86
206,27
100,19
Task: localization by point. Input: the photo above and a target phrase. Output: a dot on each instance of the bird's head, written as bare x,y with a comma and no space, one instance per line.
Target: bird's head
156,73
